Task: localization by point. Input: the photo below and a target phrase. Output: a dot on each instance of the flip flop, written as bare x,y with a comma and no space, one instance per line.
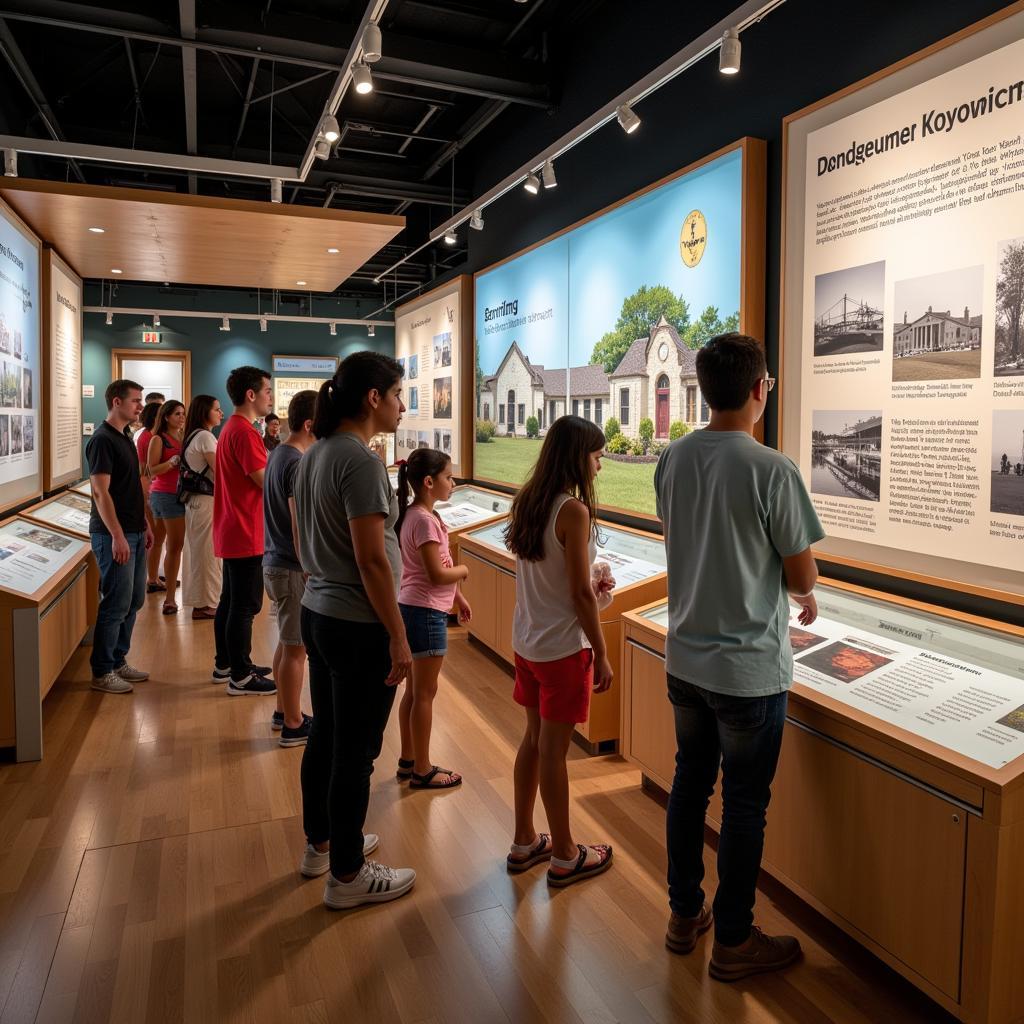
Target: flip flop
155,588
427,781
581,871
404,769
540,852
170,609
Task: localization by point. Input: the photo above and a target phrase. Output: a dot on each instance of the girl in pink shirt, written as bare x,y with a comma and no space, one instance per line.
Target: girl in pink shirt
429,591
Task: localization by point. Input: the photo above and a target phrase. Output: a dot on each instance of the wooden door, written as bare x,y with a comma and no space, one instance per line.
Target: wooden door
661,409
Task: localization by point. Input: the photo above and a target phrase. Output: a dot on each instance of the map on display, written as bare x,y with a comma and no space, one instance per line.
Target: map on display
30,555
70,510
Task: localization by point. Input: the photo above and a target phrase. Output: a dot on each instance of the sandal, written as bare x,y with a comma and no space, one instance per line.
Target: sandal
404,769
427,781
170,609
155,588
581,871
204,613
541,851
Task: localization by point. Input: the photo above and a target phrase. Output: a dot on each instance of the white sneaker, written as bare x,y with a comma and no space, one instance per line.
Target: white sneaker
132,674
112,683
375,883
314,863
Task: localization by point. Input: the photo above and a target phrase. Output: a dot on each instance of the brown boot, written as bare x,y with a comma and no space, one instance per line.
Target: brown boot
683,932
760,953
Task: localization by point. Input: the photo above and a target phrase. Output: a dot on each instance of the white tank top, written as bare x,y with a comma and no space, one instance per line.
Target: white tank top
544,625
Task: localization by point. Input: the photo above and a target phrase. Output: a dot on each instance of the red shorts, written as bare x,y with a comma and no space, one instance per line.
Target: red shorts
560,689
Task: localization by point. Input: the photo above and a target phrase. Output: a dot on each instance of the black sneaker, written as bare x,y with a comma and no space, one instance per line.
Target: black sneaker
296,737
221,675
262,670
277,721
252,685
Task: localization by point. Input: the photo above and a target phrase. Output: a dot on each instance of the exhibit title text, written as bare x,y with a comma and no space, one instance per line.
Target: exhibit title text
12,256
67,304
933,122
507,308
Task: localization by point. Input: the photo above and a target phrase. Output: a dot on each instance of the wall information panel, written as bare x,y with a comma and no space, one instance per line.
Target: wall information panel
64,373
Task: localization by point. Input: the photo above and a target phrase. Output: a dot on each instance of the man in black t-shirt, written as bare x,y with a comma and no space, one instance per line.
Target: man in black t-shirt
120,537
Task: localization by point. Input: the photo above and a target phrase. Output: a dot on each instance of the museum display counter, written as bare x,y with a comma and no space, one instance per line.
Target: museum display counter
898,806
468,508
637,562
83,487
43,617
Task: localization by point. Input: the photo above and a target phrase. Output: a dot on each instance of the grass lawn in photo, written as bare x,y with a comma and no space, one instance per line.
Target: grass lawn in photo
954,365
1008,494
626,485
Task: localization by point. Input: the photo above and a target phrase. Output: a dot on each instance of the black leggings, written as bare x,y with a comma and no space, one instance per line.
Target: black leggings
348,663
241,598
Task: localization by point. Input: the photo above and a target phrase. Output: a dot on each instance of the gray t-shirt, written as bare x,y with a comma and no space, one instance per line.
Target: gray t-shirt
339,479
733,510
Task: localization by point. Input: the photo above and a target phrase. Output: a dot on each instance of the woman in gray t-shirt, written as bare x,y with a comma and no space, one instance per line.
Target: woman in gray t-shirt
351,626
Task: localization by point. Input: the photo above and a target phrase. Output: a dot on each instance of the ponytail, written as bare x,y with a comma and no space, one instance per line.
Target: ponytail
423,462
343,397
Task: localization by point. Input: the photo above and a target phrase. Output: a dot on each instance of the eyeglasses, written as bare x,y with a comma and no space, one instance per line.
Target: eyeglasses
770,381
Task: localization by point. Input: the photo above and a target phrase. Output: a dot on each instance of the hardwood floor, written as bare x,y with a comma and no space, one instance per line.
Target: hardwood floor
148,872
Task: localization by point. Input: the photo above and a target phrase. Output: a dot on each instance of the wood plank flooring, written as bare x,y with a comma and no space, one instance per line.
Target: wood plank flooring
148,872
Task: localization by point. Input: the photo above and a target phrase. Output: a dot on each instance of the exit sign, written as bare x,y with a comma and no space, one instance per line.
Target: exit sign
150,337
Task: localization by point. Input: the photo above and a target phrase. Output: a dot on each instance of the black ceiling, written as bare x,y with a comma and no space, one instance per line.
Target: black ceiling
115,74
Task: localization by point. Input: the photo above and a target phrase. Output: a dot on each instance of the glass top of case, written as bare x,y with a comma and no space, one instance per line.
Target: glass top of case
658,614
31,554
70,510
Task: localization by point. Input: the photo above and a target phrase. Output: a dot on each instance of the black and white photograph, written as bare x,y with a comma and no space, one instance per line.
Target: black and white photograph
1008,462
437,440
44,538
414,399
16,435
10,385
846,453
937,330
1009,348
446,442
28,433
424,439
5,337
5,434
26,388
414,367
848,310
442,398
17,346
442,349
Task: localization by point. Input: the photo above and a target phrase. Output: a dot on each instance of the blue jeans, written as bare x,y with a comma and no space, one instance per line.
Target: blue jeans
122,594
744,734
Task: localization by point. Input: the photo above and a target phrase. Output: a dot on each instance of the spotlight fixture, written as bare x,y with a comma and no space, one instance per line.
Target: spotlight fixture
729,53
263,325
362,78
301,284
532,184
275,190
476,222
371,331
156,319
110,318
225,324
322,150
97,231
450,238
371,43
548,174
627,119
329,128
11,163
332,250
116,270
334,330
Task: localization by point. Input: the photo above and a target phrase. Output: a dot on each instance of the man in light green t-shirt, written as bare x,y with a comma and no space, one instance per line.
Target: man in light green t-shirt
739,526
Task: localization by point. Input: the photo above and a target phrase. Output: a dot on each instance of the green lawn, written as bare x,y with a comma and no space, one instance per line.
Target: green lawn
964,364
621,484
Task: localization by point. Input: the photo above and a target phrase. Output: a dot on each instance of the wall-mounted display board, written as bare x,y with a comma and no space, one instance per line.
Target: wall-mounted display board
20,362
44,613
898,806
431,343
293,374
604,321
903,313
62,337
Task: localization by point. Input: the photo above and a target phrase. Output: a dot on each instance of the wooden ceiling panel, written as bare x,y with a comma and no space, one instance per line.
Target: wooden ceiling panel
199,240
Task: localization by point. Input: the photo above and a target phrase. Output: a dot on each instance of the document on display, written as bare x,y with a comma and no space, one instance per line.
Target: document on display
31,555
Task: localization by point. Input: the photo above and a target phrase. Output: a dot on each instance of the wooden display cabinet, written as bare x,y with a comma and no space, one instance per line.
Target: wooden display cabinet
470,508
491,590
39,631
911,848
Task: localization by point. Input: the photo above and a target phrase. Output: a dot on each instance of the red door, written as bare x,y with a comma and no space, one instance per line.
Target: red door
661,409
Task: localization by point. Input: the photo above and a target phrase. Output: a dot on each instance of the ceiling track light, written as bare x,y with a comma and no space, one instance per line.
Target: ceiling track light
275,190
362,78
263,325
225,324
532,184
110,318
334,330
156,319
11,163
322,150
329,128
548,174
370,43
730,52
627,119
371,331
450,238
476,222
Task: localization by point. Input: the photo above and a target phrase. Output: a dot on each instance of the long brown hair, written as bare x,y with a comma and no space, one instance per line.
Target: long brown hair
198,414
166,410
423,462
563,467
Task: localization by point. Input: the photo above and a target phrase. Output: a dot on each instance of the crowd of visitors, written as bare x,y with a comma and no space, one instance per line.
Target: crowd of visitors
362,584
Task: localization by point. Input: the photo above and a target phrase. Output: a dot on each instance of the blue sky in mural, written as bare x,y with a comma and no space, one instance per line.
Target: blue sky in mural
638,244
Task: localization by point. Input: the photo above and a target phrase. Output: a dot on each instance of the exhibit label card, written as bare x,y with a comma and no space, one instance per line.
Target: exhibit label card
65,372
912,416
31,555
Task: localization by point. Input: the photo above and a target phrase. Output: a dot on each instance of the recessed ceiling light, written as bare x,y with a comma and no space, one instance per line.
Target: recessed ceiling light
97,231
301,284
333,250
116,270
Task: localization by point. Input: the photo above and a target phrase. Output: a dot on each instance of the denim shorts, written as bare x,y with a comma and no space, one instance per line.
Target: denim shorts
165,505
426,630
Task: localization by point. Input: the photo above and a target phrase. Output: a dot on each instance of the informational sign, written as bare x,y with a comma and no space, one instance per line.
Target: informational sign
20,441
428,336
968,709
65,373
70,510
323,365
293,374
31,555
903,378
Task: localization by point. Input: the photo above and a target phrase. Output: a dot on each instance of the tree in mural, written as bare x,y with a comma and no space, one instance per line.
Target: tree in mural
637,317
707,325
1010,304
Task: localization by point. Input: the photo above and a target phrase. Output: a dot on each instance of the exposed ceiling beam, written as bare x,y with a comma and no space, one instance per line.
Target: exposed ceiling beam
187,17
245,105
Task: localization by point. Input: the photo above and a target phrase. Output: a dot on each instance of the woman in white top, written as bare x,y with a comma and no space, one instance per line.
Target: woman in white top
201,591
559,648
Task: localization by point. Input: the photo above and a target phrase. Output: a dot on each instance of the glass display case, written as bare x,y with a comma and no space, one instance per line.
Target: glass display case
31,555
69,510
83,486
469,505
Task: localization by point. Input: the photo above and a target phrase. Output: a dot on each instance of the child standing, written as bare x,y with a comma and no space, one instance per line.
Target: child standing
560,652
429,591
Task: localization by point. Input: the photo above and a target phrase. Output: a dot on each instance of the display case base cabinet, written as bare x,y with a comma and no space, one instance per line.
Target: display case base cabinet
480,589
918,877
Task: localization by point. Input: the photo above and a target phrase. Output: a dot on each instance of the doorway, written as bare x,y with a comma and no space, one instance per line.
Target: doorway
169,371
661,408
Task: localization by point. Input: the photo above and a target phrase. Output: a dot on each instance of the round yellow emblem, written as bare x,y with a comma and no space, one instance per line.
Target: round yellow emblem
693,238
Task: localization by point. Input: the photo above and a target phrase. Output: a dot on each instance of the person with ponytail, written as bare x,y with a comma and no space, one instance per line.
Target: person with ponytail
560,652
351,625
430,589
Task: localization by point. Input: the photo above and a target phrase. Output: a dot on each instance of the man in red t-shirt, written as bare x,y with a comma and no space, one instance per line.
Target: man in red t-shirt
238,532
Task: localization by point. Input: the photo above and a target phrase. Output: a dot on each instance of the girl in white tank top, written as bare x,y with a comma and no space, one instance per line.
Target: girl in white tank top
556,635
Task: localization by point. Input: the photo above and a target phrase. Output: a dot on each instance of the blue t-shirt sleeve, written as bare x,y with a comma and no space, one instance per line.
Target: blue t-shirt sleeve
288,480
793,524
